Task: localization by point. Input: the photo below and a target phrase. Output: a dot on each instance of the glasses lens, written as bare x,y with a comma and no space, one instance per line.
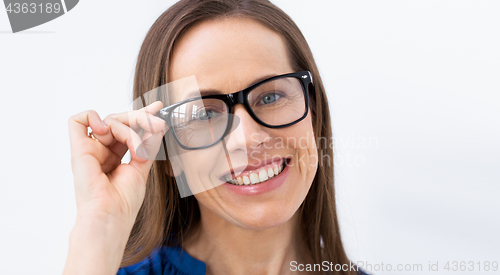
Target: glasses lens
278,102
200,122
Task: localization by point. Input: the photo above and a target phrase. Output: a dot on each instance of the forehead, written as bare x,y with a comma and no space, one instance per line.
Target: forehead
228,54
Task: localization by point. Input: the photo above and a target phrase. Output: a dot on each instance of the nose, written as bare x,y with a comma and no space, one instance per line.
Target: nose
249,135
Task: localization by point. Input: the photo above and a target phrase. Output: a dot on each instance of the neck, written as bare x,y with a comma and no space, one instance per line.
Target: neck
229,249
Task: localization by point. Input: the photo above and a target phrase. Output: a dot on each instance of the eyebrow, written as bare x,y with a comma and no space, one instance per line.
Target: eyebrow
205,92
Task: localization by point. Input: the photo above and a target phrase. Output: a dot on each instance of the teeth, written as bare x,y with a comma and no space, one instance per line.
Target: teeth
270,172
254,178
263,175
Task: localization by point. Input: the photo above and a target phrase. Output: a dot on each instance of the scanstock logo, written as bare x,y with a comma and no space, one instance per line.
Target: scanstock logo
26,14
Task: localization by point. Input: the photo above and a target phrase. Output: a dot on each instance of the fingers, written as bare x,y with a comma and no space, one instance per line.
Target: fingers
150,145
143,151
143,118
78,124
86,153
148,149
118,132
152,108
136,120
121,133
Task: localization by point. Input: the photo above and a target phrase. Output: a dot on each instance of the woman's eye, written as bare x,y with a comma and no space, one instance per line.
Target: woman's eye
269,98
205,114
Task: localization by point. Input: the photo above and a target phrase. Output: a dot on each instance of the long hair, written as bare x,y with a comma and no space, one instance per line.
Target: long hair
165,218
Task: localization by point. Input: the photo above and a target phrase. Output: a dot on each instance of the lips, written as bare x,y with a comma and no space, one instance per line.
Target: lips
255,174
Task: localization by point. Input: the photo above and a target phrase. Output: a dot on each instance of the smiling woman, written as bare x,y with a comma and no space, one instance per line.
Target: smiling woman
265,203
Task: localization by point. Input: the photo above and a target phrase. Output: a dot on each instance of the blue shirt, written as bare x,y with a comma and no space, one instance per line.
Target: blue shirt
166,261
169,261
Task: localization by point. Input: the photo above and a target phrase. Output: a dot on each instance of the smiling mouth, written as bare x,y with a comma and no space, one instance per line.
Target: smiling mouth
259,175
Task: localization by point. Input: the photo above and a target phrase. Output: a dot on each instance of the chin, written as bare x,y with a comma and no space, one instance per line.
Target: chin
260,219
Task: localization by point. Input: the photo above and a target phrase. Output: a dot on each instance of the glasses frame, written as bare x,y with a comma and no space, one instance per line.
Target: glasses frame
240,97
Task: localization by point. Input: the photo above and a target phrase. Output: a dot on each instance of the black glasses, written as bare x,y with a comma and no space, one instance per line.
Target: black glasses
276,102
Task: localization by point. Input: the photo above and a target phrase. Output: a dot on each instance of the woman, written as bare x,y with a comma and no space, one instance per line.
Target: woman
265,205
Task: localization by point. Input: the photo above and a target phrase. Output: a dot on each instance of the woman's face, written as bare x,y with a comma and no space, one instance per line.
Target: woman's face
225,56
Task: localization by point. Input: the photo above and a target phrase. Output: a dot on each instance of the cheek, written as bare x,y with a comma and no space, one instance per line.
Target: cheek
201,169
203,162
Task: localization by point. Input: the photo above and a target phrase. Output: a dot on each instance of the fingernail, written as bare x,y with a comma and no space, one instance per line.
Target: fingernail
104,124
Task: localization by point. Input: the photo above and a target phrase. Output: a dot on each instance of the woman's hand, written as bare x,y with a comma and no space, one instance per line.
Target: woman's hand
104,185
109,193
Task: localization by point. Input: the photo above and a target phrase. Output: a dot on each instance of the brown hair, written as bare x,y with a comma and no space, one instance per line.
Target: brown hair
165,218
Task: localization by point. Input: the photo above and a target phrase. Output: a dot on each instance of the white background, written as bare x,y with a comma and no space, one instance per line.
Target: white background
414,94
